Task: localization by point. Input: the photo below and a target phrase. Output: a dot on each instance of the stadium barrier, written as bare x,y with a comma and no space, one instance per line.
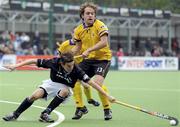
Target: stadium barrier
121,63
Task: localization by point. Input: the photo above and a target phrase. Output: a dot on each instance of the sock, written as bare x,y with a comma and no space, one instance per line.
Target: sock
23,106
105,102
78,95
53,104
87,92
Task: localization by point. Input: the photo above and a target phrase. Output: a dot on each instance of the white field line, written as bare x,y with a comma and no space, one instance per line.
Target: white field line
60,119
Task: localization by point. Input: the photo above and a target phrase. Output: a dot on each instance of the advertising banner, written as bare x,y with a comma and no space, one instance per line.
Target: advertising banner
7,60
148,63
121,63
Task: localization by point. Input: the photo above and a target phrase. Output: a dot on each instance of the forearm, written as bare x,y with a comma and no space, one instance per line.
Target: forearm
98,46
101,44
27,62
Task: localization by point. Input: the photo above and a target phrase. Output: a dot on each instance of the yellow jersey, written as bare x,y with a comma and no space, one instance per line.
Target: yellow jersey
67,46
90,36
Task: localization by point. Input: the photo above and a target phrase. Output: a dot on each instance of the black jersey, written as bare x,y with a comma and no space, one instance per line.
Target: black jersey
60,75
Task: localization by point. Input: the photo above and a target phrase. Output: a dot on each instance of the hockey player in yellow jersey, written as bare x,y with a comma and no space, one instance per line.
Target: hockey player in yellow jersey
91,38
67,46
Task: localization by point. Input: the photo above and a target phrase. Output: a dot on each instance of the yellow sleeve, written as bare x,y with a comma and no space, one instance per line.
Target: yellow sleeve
76,37
102,28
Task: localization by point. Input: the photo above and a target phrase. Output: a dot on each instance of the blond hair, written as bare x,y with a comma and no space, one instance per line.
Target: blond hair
87,4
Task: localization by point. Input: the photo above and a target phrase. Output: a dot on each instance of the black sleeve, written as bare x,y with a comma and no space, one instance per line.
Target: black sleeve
82,75
45,63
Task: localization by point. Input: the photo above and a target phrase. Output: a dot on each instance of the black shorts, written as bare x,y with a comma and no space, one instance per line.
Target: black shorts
95,67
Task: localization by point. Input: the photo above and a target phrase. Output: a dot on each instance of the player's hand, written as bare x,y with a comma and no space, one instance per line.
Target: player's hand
85,53
111,99
10,67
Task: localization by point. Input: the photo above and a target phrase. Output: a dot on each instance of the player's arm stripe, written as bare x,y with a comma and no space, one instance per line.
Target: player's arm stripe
41,62
103,32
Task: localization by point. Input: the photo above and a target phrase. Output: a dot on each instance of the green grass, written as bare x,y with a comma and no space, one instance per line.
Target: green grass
155,91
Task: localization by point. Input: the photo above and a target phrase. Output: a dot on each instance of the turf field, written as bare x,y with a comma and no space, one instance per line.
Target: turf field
156,91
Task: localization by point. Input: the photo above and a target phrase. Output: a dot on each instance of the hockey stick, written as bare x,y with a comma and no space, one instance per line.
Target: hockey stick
78,56
173,121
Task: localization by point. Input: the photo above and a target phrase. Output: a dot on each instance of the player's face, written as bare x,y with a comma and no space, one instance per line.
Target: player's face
89,16
69,66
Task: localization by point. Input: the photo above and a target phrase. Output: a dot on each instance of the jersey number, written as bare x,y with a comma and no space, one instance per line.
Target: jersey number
99,69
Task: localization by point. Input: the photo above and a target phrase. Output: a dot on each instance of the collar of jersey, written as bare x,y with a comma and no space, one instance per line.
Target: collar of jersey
85,26
71,42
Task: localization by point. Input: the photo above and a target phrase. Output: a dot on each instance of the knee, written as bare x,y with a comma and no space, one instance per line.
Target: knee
36,96
33,98
63,92
99,80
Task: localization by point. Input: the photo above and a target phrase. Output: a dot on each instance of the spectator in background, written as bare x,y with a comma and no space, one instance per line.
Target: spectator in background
148,47
12,37
137,43
17,45
137,46
6,49
120,52
37,40
161,41
157,50
40,50
46,50
174,45
25,37
25,41
6,37
6,45
148,44
35,50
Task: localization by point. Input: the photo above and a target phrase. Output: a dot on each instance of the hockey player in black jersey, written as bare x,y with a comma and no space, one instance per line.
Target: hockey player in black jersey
63,75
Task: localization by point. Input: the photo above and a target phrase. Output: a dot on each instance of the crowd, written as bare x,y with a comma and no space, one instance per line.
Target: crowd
23,44
151,48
